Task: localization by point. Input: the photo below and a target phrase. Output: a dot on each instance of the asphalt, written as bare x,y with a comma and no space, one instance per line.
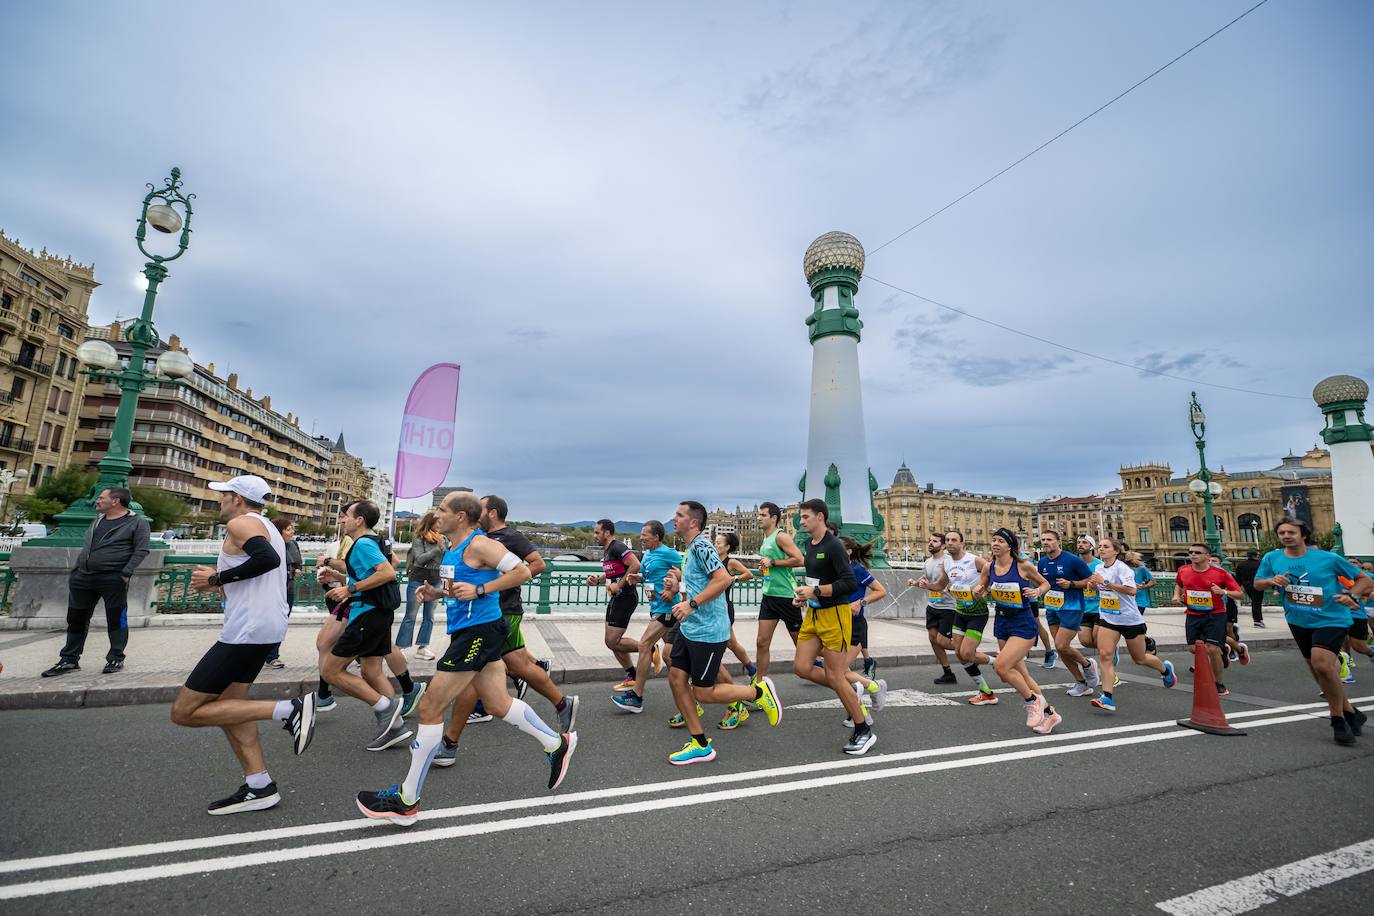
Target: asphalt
940,817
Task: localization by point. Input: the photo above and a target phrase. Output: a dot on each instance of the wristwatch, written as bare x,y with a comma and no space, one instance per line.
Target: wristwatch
481,591
353,589
213,581
692,603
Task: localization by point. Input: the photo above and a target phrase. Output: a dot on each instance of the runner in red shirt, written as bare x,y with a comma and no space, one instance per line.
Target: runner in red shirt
1202,589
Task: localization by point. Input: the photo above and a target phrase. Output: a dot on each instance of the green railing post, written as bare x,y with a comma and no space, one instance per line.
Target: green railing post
545,582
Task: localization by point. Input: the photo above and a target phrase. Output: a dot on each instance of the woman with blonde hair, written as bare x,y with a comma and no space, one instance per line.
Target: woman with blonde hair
1120,619
422,567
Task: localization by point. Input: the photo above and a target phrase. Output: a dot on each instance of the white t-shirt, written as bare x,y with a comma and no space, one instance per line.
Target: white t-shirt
963,578
1115,607
935,566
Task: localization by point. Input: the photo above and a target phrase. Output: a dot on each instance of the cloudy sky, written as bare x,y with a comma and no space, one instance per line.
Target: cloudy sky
600,211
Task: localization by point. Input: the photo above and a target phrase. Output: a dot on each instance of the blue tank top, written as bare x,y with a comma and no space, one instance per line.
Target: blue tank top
1007,591
464,614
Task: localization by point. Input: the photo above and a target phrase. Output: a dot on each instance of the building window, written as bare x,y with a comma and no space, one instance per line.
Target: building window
44,435
1254,492
6,300
57,432
61,364
47,472
71,370
1249,525
35,316
1144,535
17,388
66,404
53,394
1178,531
65,331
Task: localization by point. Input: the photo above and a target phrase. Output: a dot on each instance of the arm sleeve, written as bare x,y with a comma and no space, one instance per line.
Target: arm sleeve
261,558
140,553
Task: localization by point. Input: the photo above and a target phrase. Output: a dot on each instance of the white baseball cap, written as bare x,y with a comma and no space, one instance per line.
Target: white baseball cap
250,486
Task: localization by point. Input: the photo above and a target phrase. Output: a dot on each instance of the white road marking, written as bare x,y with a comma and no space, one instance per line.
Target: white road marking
1254,891
392,839
908,697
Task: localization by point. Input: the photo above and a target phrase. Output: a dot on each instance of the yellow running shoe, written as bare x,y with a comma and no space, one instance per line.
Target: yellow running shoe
735,716
769,702
678,722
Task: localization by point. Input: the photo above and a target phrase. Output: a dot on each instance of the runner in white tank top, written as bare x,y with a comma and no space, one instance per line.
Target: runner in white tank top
255,609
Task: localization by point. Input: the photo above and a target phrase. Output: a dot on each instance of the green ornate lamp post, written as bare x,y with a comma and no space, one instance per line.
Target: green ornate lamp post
168,210
1203,485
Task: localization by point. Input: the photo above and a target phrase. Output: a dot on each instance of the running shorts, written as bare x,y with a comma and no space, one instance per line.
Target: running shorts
833,626
1021,626
1210,628
1071,618
701,660
1329,638
472,648
1359,629
940,619
1090,619
858,630
621,607
970,625
1232,611
367,636
1052,616
225,664
1127,630
776,607
515,640
666,620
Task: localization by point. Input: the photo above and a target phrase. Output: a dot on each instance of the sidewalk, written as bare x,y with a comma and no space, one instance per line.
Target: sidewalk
162,654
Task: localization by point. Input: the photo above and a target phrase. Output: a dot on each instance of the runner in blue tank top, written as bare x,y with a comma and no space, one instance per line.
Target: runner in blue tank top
1010,585
471,575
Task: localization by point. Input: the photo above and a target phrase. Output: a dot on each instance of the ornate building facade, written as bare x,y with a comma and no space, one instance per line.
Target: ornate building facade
911,511
348,480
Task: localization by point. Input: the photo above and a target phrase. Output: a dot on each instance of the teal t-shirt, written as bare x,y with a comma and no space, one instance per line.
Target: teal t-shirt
1142,580
711,621
1310,598
654,566
1091,601
362,561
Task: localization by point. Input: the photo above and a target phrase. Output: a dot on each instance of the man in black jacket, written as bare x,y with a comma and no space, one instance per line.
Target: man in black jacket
116,543
1245,575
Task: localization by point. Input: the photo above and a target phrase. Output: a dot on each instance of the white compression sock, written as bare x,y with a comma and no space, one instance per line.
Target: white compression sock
382,704
258,780
422,751
522,717
281,712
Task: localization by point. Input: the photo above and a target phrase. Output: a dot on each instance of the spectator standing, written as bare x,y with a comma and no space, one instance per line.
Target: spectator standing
1245,575
294,565
116,543
422,568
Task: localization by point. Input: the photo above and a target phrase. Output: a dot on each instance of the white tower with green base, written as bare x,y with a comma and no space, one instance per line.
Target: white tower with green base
837,453
1342,399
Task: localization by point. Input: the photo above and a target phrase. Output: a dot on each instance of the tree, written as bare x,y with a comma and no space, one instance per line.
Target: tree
162,508
58,492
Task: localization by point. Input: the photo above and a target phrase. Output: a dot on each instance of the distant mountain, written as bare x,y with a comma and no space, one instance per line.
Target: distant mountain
621,527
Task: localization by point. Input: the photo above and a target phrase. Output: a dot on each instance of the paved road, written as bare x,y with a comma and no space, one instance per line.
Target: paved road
956,810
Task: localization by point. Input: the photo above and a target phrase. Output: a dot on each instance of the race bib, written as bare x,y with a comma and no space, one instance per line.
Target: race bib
1008,593
1090,591
963,595
936,596
1054,600
1111,604
1199,601
1305,596
446,572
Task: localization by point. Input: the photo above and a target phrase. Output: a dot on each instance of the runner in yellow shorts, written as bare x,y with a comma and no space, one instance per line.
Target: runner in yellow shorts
831,625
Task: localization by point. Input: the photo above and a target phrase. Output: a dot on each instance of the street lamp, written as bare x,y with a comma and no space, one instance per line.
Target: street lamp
168,210
7,479
1203,483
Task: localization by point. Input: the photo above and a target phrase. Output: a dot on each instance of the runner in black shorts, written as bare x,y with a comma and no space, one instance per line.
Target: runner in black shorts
619,567
779,558
726,542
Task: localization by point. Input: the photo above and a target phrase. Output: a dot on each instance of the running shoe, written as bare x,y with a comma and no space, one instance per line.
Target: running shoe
656,660
1090,673
860,691
560,758
947,678
1047,723
1105,702
412,699
768,701
546,664
628,702
1356,721
522,687
301,722
1349,678
1151,646
1260,624
478,716
627,684
387,805
275,663
880,698
1080,690
1169,678
1244,652
117,666
1345,665
868,714
735,715
424,653
326,704
62,667
445,756
693,753
246,799
1050,656
1035,711
1222,691
388,718
1342,732
870,668
1232,655
678,722
983,699
390,738
567,716
861,742
1116,680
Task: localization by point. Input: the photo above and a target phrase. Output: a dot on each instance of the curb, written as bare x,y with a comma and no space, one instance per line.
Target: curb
41,693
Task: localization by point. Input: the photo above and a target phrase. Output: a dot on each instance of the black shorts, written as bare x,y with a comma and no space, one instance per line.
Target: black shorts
367,636
1359,629
940,619
228,663
701,660
665,620
858,631
970,623
776,607
1091,619
1232,611
1206,627
1127,630
471,648
338,611
730,611
1329,638
620,608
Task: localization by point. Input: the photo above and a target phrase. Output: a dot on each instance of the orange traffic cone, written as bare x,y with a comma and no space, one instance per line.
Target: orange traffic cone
1207,715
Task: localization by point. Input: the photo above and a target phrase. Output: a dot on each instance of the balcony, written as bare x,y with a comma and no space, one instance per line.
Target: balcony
29,364
160,483
12,444
7,398
181,418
